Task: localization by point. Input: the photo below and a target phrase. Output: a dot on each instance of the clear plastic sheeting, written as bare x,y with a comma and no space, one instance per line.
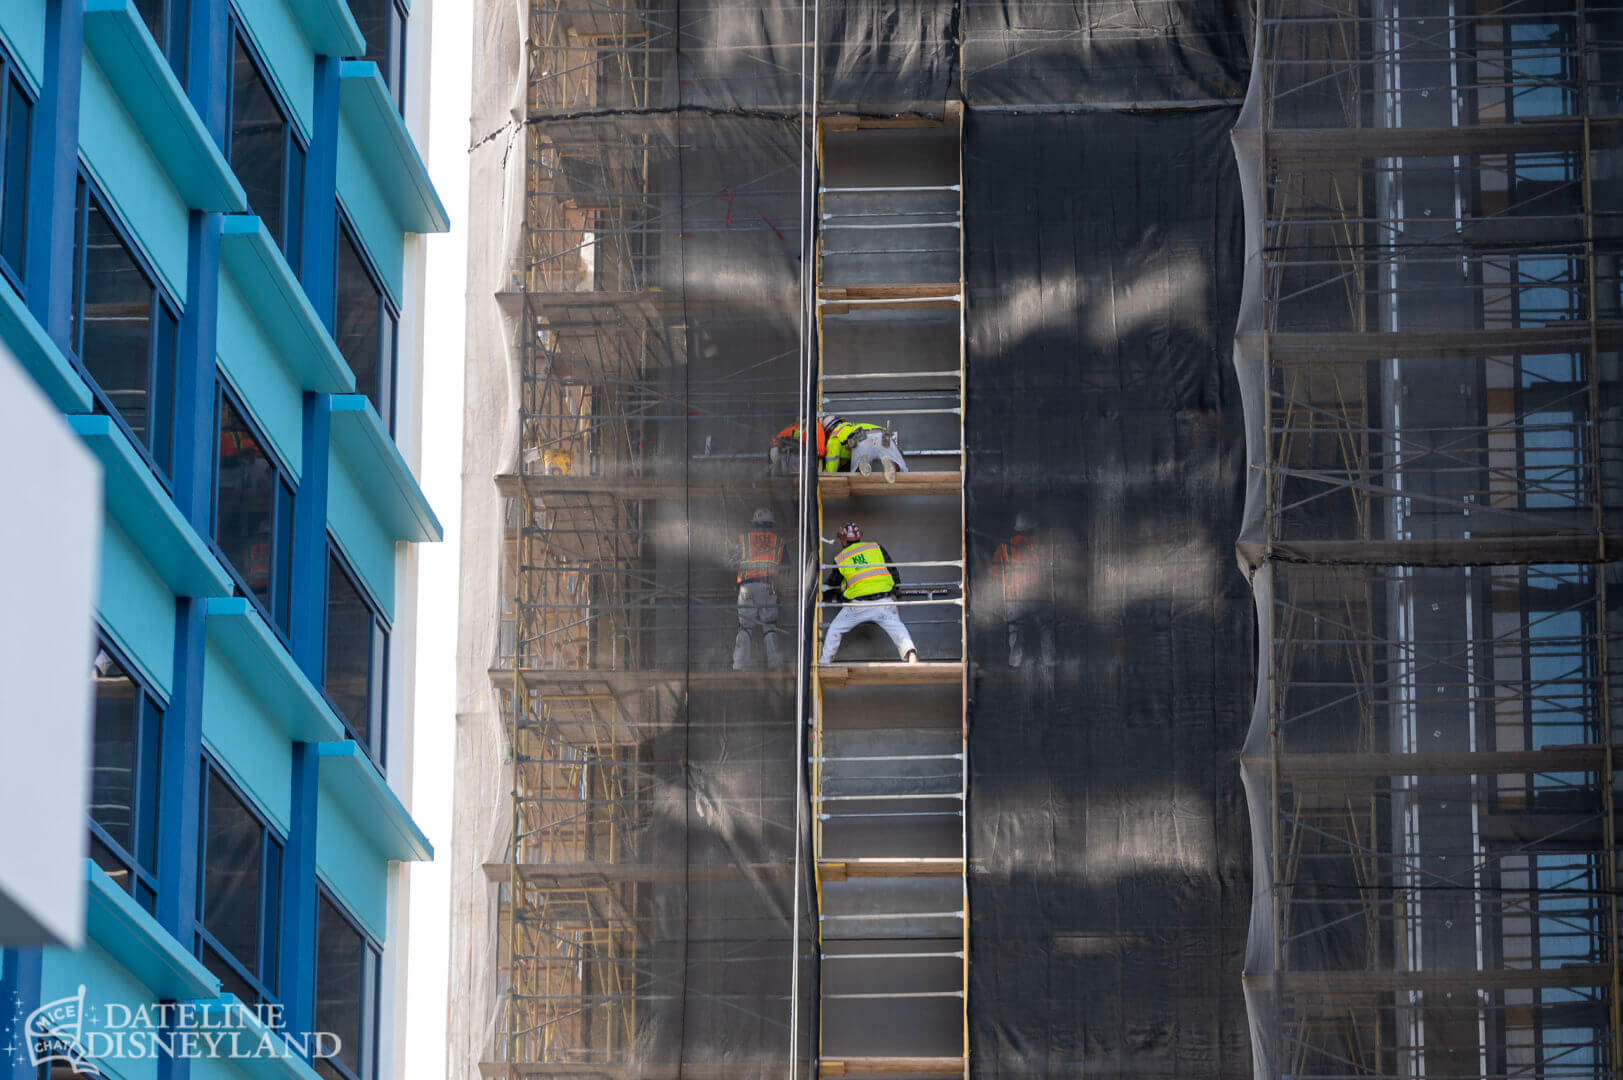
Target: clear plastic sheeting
1428,350
1110,634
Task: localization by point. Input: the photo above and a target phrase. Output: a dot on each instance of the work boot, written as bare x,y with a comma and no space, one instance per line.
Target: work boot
912,657
890,471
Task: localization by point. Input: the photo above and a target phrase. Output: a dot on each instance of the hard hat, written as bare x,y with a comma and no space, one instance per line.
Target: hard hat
762,519
1025,521
850,532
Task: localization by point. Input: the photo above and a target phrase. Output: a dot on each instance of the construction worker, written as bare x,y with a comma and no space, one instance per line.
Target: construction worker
1019,564
784,453
865,577
757,555
856,447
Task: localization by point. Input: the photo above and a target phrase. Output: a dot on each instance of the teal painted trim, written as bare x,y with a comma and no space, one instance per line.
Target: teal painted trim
375,462
157,103
228,1014
350,780
252,364
305,348
148,515
137,608
387,147
329,26
238,631
22,28
39,356
353,870
123,930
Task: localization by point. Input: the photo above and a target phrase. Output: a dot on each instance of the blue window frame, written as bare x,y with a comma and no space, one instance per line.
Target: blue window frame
349,967
383,24
253,510
16,133
125,775
239,902
365,323
166,20
356,672
265,148
123,328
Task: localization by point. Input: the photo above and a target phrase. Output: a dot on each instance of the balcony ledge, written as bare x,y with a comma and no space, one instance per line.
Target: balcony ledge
329,27
118,39
364,102
40,357
240,633
144,509
358,437
124,930
351,780
306,350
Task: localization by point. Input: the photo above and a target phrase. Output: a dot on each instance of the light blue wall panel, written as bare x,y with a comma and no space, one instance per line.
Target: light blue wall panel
369,213
22,28
133,180
369,547
275,32
253,750
248,358
105,981
351,868
136,607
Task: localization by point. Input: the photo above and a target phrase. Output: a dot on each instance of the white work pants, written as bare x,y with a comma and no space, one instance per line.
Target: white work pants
877,448
857,612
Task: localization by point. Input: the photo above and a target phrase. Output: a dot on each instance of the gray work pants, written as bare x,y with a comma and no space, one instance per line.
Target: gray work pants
757,610
880,448
1031,628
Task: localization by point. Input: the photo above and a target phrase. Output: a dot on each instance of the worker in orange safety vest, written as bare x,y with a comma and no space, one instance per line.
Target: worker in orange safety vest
757,556
784,453
1019,562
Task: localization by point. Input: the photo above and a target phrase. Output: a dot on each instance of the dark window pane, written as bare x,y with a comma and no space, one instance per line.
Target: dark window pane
341,957
283,554
115,323
14,176
372,16
154,13
233,858
357,318
246,488
230,981
272,937
113,761
258,140
148,775
161,438
349,650
112,864
293,246
385,398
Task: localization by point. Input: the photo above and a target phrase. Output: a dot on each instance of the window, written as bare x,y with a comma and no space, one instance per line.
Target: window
347,975
166,21
124,778
123,329
16,131
265,151
365,324
383,24
239,913
253,511
357,656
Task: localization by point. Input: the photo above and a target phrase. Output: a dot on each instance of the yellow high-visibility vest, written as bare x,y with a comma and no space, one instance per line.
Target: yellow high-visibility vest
863,568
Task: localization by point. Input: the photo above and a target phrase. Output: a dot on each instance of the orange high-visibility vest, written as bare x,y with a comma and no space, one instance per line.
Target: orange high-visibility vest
1018,559
863,568
759,553
792,434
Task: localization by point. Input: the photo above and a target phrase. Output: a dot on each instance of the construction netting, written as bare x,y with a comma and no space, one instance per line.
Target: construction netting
1335,279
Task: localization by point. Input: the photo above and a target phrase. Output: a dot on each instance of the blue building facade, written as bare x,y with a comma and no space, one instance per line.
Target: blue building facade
211,261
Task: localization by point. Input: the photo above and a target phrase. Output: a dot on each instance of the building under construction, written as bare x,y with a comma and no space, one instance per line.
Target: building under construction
1257,371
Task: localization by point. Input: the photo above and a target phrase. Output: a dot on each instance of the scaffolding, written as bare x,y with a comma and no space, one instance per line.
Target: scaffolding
643,900
1431,354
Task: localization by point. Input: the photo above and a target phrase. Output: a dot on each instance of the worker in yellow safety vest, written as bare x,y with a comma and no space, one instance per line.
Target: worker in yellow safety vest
858,447
1019,562
757,555
865,579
